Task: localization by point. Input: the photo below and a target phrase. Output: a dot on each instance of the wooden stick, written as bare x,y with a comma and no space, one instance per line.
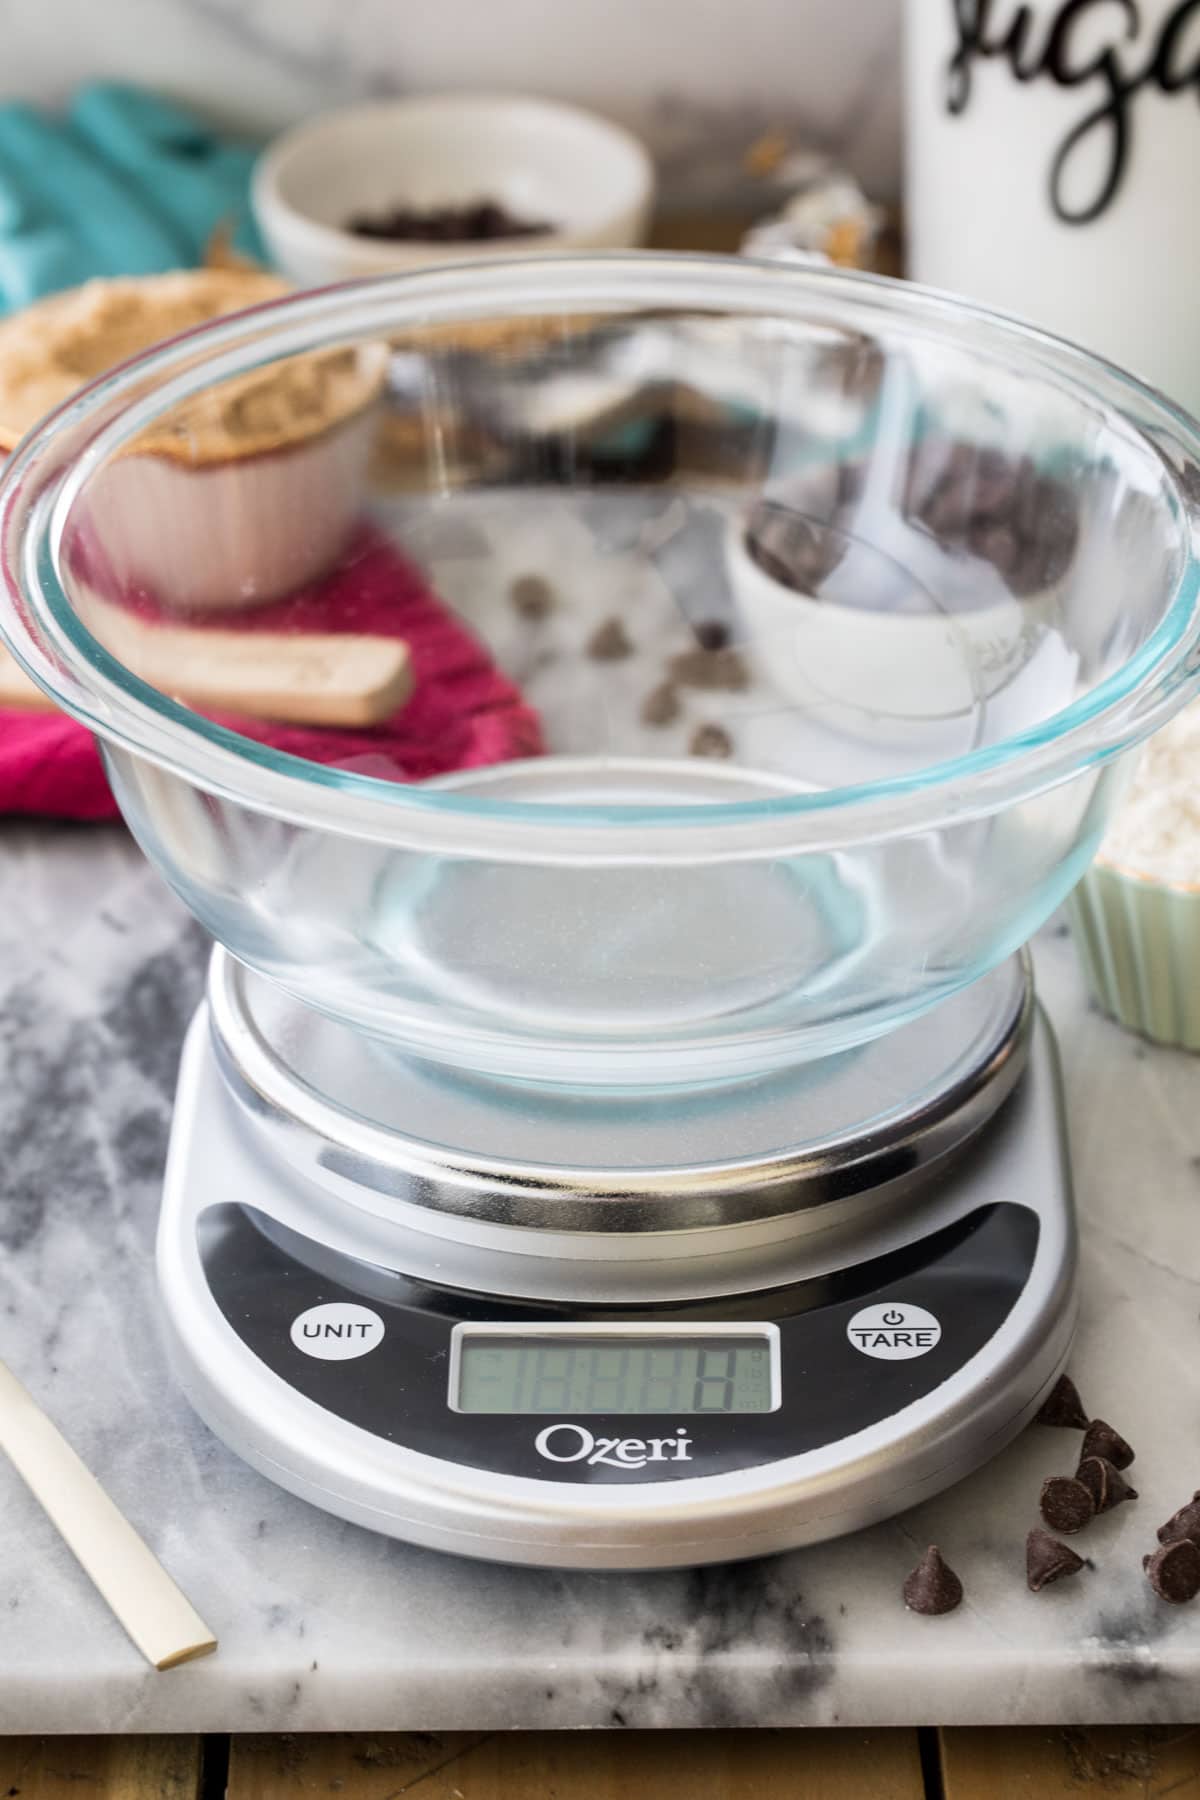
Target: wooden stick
160,1620
311,678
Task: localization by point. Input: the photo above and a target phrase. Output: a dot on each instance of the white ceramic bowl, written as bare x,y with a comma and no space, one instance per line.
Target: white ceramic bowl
590,179
877,673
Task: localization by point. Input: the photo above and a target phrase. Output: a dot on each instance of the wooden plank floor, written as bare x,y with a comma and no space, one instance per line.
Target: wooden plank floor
1113,1760
1117,1763
92,1768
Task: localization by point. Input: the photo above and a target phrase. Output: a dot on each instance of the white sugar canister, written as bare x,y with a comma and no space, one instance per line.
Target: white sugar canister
1053,169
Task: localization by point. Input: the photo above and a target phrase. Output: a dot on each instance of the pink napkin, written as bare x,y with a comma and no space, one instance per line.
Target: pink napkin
463,713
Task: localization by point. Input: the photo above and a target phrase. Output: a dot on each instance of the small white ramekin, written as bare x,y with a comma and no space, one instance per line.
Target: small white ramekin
872,672
219,536
190,513
1139,941
590,179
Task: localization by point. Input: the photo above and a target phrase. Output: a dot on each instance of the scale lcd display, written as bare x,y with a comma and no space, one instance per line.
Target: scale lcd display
568,1374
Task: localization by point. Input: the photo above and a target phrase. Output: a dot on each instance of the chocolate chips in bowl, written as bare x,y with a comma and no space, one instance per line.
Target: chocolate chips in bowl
477,222
904,604
998,508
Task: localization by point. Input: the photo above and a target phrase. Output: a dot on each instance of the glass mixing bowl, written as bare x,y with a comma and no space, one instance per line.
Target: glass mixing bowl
776,634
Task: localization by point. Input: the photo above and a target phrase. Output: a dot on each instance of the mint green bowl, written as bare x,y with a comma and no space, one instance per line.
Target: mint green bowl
1139,940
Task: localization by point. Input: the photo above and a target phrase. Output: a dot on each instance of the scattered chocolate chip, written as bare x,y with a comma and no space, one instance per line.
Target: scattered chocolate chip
475,223
1101,1440
532,596
609,642
1047,1560
933,1587
712,670
1107,1486
1184,1524
661,705
1066,1504
712,634
710,740
1062,1406
1174,1571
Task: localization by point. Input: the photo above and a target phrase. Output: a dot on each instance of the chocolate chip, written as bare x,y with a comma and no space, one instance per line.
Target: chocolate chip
1184,1524
1174,1571
712,670
1107,1486
710,740
1047,1560
609,642
933,1587
1066,1504
1062,1406
1101,1440
712,634
532,596
661,705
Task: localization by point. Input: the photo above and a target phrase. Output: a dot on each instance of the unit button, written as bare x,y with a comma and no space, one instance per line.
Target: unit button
337,1331
894,1332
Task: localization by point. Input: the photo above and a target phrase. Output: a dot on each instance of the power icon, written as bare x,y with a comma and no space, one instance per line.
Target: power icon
894,1333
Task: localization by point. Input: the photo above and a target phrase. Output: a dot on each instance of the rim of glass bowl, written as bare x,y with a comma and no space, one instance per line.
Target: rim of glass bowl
41,484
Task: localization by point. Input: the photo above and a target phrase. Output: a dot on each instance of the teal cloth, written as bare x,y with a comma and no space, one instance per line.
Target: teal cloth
125,183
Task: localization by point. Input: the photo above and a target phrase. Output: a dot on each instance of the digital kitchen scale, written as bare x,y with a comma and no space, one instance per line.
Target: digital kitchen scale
617,1332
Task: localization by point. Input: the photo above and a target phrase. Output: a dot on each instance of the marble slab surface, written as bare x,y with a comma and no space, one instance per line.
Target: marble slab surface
323,1625
700,80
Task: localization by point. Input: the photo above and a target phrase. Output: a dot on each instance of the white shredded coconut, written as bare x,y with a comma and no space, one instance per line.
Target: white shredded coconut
1156,831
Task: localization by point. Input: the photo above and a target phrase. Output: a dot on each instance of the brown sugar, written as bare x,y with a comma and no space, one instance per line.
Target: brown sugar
57,345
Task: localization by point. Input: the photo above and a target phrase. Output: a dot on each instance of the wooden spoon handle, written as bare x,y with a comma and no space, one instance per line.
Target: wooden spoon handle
160,1619
311,678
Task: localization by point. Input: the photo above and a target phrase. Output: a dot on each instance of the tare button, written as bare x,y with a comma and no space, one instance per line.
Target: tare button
337,1331
895,1331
